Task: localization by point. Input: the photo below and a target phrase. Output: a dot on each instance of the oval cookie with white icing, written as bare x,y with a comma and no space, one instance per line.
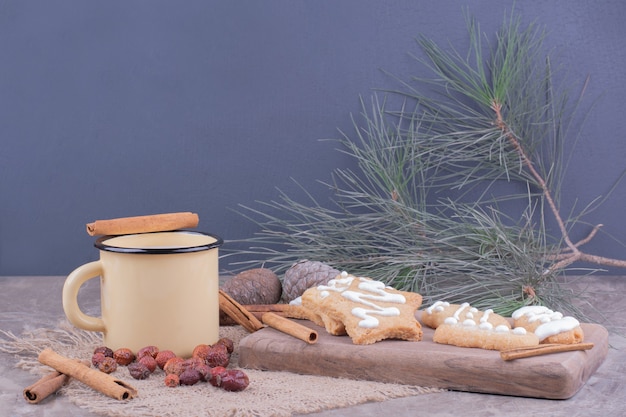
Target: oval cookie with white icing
443,312
549,326
496,338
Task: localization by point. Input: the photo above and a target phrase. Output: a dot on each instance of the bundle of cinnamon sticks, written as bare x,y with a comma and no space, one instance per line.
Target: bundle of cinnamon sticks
66,368
254,317
46,386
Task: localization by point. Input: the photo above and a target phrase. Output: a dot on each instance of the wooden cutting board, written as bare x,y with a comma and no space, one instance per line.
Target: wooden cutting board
428,364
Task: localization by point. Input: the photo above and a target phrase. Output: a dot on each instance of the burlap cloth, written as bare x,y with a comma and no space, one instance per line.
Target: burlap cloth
269,393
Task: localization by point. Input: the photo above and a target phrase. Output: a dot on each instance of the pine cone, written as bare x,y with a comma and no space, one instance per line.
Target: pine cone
306,274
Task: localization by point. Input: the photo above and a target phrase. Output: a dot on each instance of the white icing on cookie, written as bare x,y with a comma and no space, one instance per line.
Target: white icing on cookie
519,330
336,285
437,307
502,329
536,313
484,320
372,292
555,327
552,322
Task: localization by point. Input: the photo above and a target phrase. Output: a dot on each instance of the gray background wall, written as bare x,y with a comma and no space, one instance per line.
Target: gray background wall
123,108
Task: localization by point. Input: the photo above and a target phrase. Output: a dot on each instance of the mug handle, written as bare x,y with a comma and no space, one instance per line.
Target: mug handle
72,284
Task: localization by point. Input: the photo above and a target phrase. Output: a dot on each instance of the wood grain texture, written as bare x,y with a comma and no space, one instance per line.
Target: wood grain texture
425,363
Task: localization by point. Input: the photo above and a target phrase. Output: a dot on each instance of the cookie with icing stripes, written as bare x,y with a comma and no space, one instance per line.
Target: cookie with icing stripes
368,310
549,326
443,312
494,338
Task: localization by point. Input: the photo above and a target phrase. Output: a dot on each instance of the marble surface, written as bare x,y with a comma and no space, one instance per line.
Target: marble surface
33,302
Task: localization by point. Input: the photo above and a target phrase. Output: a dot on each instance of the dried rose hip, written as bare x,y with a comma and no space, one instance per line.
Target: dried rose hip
148,350
174,366
163,356
96,358
138,370
215,376
107,365
108,352
189,377
150,362
234,380
230,346
201,351
172,380
205,371
218,356
192,363
124,356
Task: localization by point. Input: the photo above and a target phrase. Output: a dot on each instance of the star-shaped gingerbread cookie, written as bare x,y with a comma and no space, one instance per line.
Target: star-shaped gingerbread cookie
367,310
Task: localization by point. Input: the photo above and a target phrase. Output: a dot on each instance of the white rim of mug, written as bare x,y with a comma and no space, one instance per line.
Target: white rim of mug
102,245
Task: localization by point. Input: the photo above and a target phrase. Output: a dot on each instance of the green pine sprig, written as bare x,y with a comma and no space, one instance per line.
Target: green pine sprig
456,177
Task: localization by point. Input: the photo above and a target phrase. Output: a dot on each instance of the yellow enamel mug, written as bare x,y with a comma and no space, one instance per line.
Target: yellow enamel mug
156,289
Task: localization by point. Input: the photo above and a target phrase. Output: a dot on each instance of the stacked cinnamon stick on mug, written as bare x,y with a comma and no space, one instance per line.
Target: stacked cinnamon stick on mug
143,224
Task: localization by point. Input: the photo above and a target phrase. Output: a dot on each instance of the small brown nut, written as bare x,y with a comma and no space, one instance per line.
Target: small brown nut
163,356
96,358
123,356
254,286
172,380
148,350
138,370
230,346
104,350
174,366
149,361
234,380
189,377
218,356
107,365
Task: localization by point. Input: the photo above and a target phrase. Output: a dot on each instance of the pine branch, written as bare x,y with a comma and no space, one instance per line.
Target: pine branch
571,253
449,193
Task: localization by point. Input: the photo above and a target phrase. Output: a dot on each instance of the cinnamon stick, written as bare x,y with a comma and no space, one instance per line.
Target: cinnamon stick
290,327
266,308
546,349
238,313
225,320
257,310
99,381
284,310
143,224
46,386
